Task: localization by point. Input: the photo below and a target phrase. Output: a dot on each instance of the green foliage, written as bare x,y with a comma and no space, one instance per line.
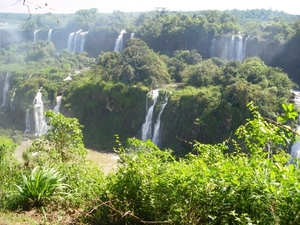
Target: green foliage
41,186
136,63
7,148
65,136
106,108
62,149
208,187
263,138
290,113
9,172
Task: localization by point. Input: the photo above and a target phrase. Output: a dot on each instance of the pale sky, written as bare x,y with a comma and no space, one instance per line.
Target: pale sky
71,6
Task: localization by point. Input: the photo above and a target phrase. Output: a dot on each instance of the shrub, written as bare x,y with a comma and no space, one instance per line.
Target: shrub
41,186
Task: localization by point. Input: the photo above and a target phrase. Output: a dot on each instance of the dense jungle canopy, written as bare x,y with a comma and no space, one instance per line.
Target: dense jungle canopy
196,106
209,64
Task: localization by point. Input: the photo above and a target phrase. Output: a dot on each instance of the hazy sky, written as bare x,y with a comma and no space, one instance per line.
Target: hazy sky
71,6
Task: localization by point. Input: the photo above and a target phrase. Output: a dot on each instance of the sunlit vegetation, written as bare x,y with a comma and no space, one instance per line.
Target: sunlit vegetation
226,131
208,185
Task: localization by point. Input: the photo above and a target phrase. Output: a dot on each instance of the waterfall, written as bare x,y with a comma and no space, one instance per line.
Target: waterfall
5,89
213,48
12,101
70,41
295,150
245,47
35,35
147,126
231,49
58,103
82,41
27,122
50,35
76,41
239,49
156,131
39,118
226,49
119,42
132,35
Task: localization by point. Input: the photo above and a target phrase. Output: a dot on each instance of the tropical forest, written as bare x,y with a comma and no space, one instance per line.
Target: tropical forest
197,110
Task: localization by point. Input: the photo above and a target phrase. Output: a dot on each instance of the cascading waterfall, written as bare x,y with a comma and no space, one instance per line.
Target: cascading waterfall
39,118
156,131
5,89
35,35
76,41
295,149
226,49
245,47
50,35
81,42
131,35
147,126
119,42
213,48
231,48
27,122
12,101
231,53
70,41
239,49
58,104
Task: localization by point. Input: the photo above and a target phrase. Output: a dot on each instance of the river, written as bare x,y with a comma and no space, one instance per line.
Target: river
107,161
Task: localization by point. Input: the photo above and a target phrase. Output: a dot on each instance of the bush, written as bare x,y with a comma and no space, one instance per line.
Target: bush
207,187
41,186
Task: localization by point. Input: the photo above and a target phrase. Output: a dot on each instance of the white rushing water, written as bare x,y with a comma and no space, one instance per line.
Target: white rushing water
12,101
35,35
58,103
119,42
157,130
76,41
6,89
213,48
49,35
229,47
295,149
147,125
39,117
27,122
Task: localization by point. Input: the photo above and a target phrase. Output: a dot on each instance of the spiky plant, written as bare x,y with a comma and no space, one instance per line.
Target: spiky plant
41,186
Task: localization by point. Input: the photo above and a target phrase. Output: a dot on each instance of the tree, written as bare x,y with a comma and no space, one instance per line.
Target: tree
62,142
65,135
